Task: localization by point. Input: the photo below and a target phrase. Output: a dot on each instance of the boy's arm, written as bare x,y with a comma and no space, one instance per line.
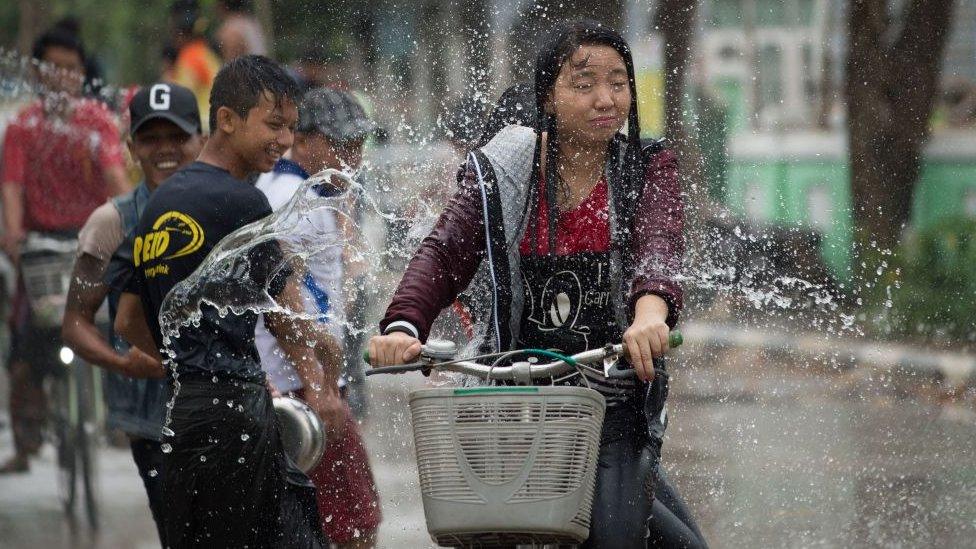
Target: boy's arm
130,323
85,296
318,365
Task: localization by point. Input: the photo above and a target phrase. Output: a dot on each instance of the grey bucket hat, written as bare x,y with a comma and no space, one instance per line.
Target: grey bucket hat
335,114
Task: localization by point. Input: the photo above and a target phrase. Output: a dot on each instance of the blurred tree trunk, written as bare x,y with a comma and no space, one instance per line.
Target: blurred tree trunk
32,17
675,18
891,82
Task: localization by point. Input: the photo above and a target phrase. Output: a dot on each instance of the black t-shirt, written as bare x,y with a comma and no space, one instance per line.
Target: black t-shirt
183,221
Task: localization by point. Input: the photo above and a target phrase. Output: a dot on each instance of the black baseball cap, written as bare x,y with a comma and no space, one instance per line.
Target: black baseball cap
167,101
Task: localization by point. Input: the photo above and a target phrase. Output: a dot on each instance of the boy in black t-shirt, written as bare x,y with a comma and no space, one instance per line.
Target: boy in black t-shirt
228,482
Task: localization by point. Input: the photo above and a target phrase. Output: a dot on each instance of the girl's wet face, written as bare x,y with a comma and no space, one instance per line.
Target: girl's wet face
591,96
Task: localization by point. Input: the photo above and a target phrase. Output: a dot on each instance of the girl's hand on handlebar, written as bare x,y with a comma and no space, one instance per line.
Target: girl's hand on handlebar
392,349
647,337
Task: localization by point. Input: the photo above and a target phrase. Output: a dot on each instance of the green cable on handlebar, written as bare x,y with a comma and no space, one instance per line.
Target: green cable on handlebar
549,354
675,339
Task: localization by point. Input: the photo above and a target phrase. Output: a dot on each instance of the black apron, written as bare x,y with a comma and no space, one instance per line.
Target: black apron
568,302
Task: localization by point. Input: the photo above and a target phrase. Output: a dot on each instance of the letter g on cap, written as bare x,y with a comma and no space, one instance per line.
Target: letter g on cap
159,97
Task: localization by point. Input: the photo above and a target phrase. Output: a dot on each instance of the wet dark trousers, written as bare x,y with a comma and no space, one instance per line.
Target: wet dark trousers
626,512
227,481
671,523
28,407
33,357
149,460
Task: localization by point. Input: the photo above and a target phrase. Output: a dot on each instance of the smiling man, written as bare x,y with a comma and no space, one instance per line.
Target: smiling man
164,137
227,482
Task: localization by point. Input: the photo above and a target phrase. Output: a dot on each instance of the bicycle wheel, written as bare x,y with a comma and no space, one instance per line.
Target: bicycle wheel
62,432
86,437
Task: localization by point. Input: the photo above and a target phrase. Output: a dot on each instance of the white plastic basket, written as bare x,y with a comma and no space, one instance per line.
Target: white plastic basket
507,465
46,280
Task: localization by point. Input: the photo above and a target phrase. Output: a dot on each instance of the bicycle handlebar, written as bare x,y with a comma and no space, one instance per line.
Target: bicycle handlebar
525,371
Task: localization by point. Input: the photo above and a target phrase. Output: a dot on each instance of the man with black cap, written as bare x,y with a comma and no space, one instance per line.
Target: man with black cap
165,136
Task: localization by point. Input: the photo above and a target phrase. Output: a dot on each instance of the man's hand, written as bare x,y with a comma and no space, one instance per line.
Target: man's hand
10,242
647,337
142,366
392,349
271,388
331,409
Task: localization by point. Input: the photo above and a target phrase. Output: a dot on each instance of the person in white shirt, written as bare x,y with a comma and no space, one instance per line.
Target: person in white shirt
332,128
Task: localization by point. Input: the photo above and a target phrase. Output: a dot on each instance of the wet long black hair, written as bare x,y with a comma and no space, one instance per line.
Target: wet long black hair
625,174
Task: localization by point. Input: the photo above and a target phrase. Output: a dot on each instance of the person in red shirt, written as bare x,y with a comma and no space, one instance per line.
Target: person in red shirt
62,158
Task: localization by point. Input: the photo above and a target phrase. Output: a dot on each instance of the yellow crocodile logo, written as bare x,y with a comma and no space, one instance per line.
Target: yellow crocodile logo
154,244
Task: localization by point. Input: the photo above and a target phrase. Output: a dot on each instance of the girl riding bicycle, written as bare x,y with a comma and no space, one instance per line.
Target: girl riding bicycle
566,236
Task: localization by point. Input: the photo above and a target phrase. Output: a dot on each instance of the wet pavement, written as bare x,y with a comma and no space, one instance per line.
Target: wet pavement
800,456
768,452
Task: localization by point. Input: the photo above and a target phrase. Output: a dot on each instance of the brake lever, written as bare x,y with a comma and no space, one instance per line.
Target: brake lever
424,367
611,367
613,370
400,369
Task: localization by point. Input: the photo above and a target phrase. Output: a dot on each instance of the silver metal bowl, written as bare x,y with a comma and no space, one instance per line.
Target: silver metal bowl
302,432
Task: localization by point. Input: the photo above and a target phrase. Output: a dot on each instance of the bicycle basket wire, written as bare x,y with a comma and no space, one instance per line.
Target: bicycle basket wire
507,465
47,274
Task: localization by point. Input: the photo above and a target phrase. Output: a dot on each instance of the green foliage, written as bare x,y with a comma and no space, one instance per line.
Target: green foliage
930,290
329,27
126,37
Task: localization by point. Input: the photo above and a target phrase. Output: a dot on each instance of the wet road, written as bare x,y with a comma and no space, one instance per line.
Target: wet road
798,457
767,453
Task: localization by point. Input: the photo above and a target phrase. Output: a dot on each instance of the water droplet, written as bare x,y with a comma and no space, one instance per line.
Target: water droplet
240,459
152,473
203,458
216,400
245,436
167,432
166,448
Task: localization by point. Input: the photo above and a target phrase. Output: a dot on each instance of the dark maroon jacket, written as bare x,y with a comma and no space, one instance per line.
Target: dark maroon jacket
448,258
